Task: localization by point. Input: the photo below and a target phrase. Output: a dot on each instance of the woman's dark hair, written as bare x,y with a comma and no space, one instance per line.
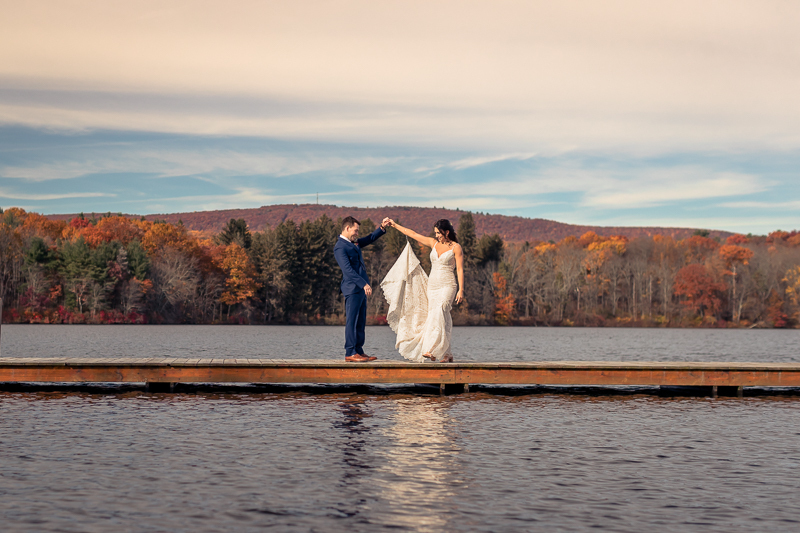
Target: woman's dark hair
446,228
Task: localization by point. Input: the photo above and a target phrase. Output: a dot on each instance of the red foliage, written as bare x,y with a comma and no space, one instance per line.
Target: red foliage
737,239
735,254
504,307
781,236
775,311
701,291
78,223
112,228
698,248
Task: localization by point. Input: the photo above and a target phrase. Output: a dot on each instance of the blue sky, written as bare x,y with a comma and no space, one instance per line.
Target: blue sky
629,113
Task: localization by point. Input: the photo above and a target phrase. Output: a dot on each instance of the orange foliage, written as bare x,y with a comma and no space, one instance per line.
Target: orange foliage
735,254
16,212
699,242
775,311
737,239
784,237
240,274
504,308
159,236
701,291
588,238
44,227
792,280
617,245
595,259
698,248
544,248
112,228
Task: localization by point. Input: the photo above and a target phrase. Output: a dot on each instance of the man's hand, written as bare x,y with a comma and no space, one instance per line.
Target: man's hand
368,289
385,222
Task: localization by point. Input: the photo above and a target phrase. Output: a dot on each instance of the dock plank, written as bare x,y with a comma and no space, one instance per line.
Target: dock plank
254,370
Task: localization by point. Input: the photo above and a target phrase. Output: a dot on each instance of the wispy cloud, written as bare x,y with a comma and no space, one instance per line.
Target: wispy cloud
670,186
201,161
477,161
9,195
791,205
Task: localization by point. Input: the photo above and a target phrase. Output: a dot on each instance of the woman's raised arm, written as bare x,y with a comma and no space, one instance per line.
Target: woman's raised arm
430,242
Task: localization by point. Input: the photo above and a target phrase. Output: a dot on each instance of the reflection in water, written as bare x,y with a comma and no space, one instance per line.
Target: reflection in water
419,469
356,454
355,436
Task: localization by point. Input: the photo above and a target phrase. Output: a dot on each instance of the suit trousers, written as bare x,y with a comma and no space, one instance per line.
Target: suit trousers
355,308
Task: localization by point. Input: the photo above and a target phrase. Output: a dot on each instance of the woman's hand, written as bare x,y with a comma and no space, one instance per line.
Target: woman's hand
459,297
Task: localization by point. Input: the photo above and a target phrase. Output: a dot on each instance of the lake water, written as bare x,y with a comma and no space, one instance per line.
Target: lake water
469,343
381,458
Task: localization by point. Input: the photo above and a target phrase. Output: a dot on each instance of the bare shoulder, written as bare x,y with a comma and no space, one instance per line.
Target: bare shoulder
457,248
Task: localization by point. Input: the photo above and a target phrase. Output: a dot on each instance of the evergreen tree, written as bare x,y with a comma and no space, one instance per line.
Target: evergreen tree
394,242
236,231
39,253
489,249
466,236
288,247
272,274
138,262
318,269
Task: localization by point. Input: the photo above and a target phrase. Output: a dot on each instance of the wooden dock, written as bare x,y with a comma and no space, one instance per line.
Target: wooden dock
171,370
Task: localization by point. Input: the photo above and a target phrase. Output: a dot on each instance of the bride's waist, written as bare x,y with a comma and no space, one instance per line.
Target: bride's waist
442,275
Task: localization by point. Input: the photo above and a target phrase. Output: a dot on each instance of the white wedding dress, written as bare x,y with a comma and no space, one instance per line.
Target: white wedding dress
419,306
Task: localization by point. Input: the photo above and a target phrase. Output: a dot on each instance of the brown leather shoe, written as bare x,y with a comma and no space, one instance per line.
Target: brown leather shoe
369,357
356,358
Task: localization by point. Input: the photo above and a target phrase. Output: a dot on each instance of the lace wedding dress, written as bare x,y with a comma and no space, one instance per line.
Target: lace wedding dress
419,306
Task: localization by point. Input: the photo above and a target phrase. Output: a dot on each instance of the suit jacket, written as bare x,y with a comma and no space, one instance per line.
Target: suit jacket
351,261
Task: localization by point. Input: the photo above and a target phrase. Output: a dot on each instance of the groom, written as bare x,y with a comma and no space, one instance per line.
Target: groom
355,285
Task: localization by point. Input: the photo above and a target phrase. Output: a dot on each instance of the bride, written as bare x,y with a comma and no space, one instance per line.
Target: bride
419,307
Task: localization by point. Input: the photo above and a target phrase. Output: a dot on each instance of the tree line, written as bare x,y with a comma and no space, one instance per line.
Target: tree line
115,269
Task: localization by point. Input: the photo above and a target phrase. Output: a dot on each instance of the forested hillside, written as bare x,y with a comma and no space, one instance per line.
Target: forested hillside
510,229
116,269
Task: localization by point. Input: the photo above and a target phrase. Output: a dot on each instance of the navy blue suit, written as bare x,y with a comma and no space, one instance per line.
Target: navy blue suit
354,277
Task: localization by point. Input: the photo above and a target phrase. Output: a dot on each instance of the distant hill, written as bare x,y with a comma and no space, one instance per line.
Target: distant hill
510,228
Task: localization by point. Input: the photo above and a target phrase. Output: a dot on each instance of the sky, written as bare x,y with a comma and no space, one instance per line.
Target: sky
616,113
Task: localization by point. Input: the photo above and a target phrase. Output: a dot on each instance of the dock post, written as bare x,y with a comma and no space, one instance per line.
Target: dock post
731,390
159,386
714,391
466,387
441,389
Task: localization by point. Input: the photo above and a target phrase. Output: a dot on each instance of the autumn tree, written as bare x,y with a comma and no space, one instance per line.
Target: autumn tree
734,256
505,304
175,276
701,292
11,258
240,276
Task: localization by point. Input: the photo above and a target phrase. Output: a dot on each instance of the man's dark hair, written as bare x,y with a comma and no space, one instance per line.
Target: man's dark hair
349,221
